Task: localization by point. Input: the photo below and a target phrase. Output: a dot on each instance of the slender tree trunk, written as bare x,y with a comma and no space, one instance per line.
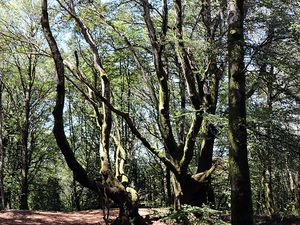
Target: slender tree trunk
241,203
181,132
25,153
268,196
75,194
26,147
163,190
105,127
268,157
2,151
25,161
168,187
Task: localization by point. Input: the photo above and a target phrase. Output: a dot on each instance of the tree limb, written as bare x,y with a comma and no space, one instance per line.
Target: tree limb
58,130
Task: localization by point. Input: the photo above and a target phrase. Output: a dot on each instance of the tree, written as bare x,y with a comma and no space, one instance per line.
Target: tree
177,155
179,150
26,102
241,203
107,185
147,103
2,150
274,67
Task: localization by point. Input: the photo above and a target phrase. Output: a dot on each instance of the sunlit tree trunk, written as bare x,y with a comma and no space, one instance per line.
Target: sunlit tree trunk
241,203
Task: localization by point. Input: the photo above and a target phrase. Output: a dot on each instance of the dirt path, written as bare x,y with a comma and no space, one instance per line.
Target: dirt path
95,217
90,217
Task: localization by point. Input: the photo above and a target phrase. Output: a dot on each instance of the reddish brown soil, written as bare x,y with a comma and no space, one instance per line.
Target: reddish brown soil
95,217
90,217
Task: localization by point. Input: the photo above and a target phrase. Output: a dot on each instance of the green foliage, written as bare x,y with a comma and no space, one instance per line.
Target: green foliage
189,215
47,196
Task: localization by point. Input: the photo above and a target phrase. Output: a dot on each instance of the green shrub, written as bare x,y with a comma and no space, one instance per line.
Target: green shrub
192,215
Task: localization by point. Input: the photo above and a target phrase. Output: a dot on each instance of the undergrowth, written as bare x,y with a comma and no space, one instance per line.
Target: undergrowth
192,215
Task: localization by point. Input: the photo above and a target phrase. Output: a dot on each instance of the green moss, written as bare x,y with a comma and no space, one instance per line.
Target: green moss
133,194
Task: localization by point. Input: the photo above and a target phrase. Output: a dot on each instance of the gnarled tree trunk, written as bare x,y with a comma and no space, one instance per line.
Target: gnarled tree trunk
124,197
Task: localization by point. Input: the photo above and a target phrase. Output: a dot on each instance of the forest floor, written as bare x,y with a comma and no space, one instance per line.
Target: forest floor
88,217
95,217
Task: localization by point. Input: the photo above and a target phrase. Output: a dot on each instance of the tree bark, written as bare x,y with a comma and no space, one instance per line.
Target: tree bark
58,130
241,203
25,157
208,130
2,150
193,192
168,187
